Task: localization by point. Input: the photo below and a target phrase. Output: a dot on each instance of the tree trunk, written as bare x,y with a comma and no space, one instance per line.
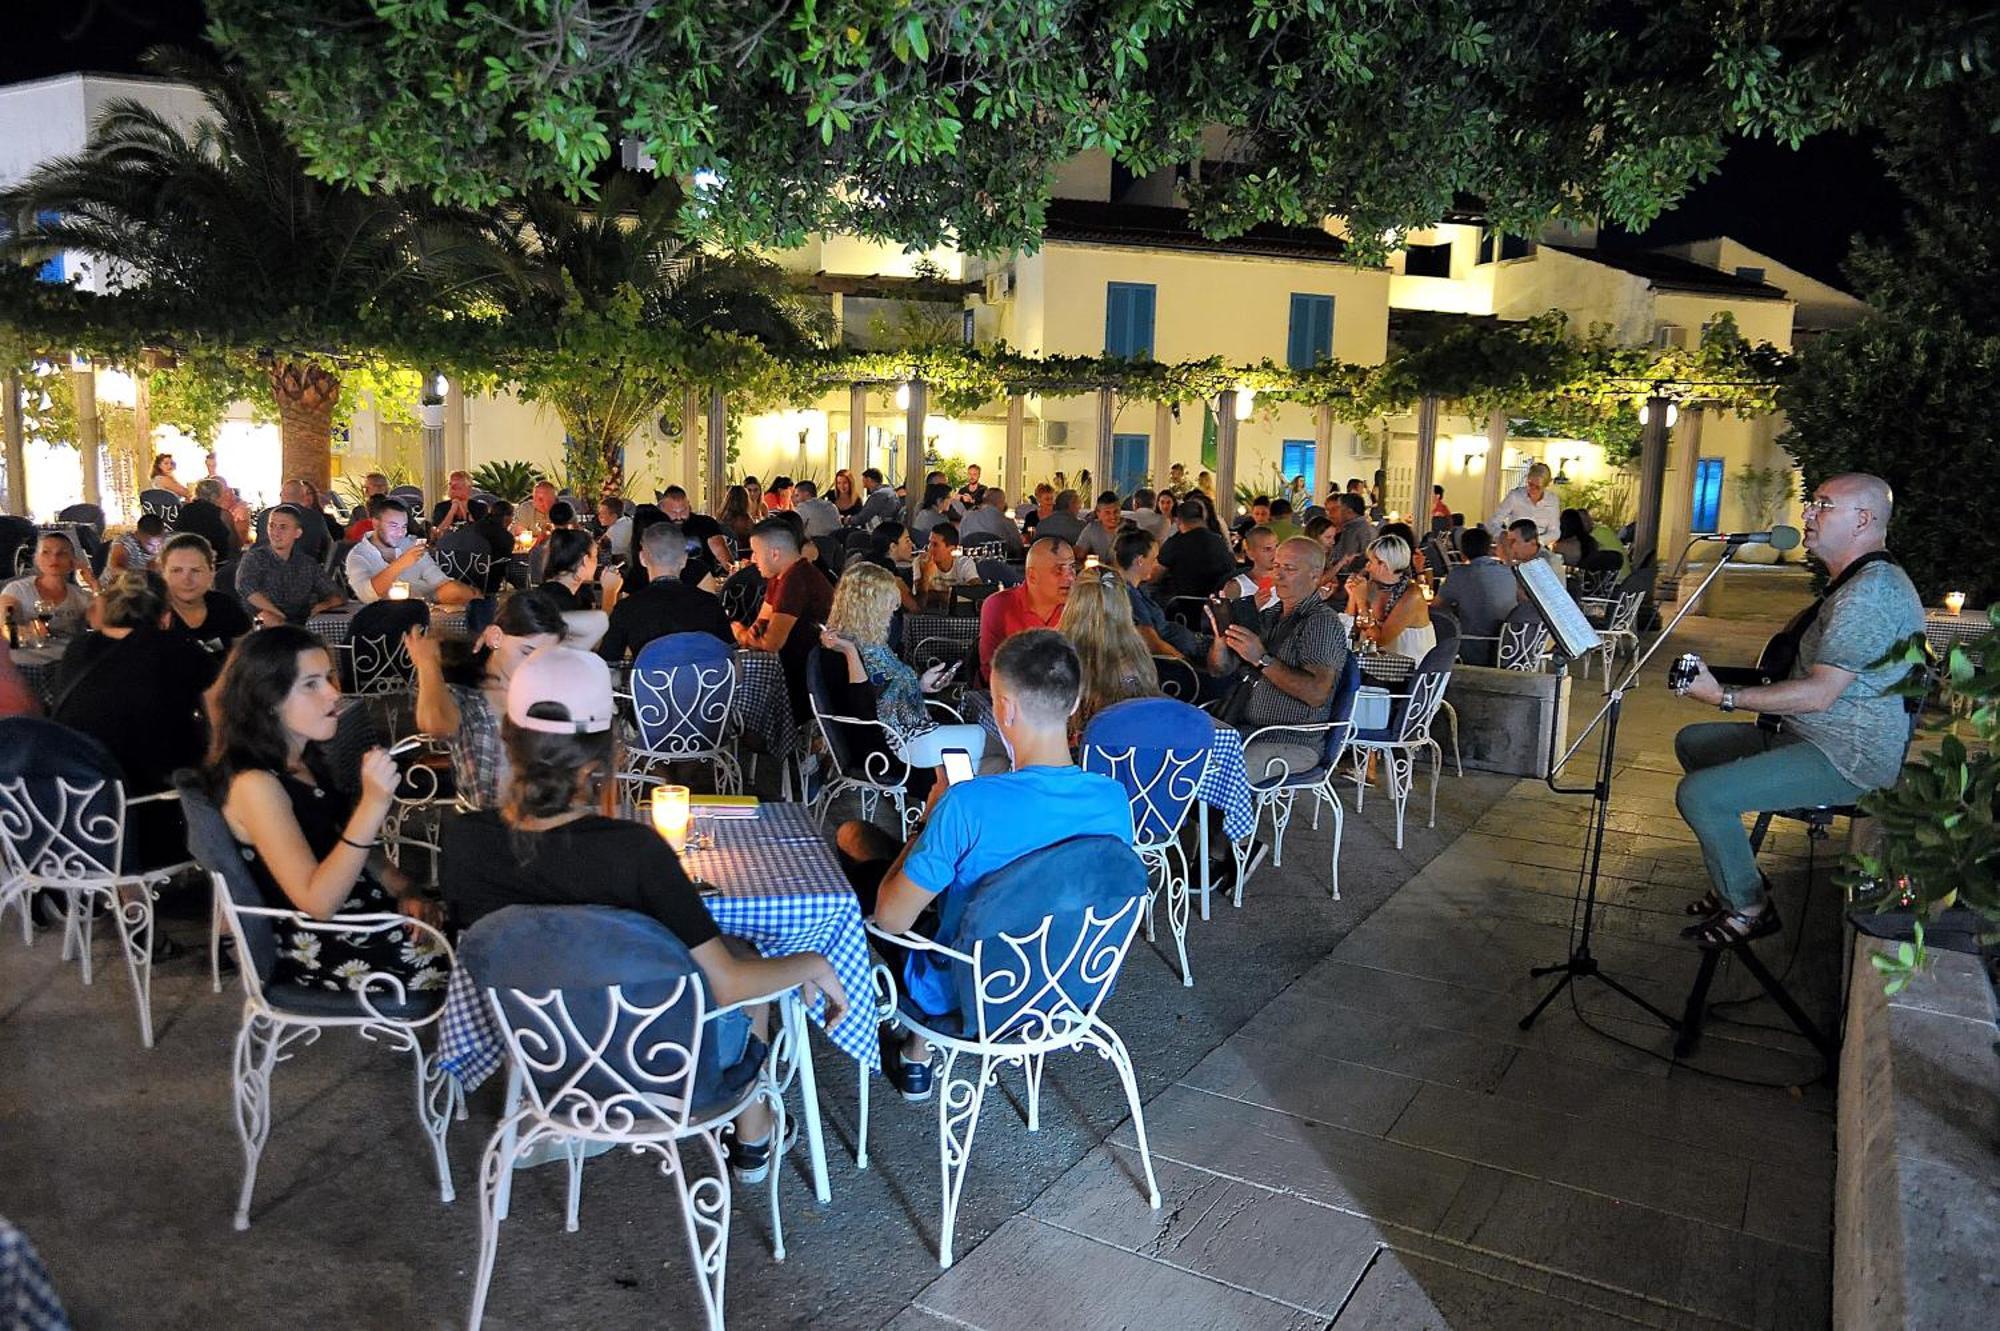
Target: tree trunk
614,471
306,396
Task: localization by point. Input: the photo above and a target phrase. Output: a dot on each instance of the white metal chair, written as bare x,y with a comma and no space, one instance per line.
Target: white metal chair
377,660
873,769
1407,734
1620,631
1039,948
1158,749
62,830
683,690
1277,787
619,1064
1523,645
378,1006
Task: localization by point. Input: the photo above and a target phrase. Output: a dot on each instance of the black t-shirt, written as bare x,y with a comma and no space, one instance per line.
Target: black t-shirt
564,598
698,528
140,697
662,606
595,861
1196,563
209,522
225,623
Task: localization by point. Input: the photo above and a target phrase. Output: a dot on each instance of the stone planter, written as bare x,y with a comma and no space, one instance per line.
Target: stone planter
1507,719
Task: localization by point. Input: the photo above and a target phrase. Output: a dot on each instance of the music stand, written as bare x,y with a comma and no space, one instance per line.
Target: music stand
1581,963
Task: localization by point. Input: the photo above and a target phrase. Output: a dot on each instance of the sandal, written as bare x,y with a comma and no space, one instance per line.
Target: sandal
1735,928
1708,904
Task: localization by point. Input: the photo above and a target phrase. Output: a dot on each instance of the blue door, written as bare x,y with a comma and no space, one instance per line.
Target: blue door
1128,462
1707,507
1297,460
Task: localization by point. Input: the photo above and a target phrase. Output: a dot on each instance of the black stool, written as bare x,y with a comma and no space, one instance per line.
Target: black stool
1818,820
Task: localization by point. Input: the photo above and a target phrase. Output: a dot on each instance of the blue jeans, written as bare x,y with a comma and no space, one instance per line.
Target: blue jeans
1737,767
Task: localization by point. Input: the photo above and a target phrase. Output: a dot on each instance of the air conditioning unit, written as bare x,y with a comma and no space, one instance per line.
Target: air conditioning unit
1055,434
1670,335
999,286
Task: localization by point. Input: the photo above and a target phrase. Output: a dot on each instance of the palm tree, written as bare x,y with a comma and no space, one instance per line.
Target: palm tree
218,226
593,275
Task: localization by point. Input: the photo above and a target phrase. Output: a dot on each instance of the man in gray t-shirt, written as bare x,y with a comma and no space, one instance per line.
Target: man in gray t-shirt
1843,731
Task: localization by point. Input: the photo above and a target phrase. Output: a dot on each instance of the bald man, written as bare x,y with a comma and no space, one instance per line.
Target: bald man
1036,604
1841,732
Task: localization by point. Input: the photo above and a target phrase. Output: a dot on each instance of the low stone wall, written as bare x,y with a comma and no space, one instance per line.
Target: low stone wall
1917,1188
1505,718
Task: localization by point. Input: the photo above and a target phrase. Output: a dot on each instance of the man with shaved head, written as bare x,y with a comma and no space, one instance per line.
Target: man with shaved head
1839,731
1036,604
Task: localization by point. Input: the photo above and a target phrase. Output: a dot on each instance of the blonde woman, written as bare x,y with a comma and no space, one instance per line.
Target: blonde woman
1388,607
865,680
1097,620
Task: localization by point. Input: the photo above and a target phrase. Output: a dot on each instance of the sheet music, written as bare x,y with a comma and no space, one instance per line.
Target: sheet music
1575,635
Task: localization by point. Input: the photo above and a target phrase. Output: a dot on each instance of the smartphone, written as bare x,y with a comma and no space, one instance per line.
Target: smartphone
950,673
957,766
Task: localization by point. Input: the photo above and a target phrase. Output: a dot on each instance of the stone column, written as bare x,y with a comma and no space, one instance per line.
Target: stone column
1107,421
914,465
457,430
1322,454
857,432
1496,463
1014,470
718,448
16,445
1225,456
1161,461
89,445
1426,465
1652,482
691,472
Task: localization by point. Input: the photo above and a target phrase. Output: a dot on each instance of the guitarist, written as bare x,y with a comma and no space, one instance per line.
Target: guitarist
1842,732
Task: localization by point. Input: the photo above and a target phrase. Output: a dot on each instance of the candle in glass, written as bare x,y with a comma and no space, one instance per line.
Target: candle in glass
670,814
399,591
1954,601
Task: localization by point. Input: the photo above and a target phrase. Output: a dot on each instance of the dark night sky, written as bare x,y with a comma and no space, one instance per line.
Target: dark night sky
1800,207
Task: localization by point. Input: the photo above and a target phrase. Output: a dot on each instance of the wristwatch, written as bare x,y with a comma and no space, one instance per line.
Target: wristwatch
1728,703
1266,660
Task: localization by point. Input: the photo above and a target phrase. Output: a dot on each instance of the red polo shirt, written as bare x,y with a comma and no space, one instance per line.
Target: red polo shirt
1001,616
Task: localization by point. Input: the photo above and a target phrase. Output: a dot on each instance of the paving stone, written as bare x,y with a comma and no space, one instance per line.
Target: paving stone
1029,1274
1281,1077
1578,1151
1713,1270
1299,1022
1374,1177
1408,1291
1272,1243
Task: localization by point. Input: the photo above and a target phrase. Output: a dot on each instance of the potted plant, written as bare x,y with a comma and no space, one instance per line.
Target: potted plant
1930,876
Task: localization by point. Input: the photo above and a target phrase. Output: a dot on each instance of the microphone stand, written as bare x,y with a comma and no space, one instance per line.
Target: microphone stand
1581,963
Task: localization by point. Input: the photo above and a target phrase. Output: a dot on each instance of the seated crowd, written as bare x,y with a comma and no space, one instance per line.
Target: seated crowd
163,669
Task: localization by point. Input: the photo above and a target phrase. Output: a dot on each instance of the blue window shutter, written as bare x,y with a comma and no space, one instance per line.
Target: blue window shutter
1128,462
1297,458
1310,336
1128,319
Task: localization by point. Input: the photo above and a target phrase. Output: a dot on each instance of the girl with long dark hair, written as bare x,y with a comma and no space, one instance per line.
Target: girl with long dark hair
310,847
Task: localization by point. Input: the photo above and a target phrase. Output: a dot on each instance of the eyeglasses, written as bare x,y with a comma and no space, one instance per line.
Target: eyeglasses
1824,506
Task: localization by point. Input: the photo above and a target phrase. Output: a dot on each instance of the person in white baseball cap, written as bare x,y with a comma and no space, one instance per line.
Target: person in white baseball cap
555,842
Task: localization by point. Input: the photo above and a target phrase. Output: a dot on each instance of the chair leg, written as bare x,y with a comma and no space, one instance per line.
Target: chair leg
1122,1060
215,931
1281,818
1034,1070
861,1128
1399,769
793,1013
256,1056
434,1110
1339,824
503,1190
1178,893
958,1107
1437,765
777,1102
496,1172
1447,710
705,1213
573,1203
134,921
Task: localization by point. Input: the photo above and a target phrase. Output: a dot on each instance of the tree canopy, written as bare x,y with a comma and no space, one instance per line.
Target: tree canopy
924,120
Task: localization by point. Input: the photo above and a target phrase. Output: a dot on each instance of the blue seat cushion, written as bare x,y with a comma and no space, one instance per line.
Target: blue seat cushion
300,1000
583,951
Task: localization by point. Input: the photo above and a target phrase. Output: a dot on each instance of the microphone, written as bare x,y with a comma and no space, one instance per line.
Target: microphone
1780,537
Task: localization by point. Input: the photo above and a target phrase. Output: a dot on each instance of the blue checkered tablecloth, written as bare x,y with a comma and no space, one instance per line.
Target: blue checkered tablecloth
958,633
1386,668
28,1299
1225,784
38,669
1944,630
780,890
763,703
332,626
